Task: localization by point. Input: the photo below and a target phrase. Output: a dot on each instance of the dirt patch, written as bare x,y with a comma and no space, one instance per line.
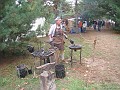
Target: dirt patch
106,64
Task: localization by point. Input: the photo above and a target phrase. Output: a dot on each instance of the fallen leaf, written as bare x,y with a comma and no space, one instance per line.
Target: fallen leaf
86,71
67,72
26,83
88,65
85,75
93,88
18,85
22,89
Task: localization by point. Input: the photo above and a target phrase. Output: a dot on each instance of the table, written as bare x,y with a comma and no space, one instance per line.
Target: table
75,48
43,55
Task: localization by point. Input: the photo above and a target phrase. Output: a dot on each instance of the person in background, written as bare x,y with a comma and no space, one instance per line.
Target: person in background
56,37
84,26
99,25
80,25
103,24
94,24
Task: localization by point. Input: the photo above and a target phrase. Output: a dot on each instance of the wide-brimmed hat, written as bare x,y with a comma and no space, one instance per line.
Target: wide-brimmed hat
57,18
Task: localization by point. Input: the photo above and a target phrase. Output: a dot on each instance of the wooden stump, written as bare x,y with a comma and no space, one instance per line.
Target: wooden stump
47,77
47,81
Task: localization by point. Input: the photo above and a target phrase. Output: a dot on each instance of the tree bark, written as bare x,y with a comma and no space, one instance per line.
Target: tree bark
76,16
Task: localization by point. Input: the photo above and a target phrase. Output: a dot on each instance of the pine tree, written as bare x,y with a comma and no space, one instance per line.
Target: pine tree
16,21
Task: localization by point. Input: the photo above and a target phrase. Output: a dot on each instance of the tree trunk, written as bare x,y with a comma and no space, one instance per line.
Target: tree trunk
76,16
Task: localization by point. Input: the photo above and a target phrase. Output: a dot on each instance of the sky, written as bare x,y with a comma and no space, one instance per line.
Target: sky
73,1
70,0
38,21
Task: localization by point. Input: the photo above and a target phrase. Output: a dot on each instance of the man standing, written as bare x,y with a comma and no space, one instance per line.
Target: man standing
56,37
80,25
94,24
99,25
84,26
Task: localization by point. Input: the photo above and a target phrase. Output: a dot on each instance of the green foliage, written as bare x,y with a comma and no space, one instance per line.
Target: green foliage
112,8
15,22
62,8
4,81
96,9
89,9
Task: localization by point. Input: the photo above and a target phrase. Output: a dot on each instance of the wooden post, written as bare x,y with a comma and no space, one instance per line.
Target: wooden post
47,80
94,46
76,15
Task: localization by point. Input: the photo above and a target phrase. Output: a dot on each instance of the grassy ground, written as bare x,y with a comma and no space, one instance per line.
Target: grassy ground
72,81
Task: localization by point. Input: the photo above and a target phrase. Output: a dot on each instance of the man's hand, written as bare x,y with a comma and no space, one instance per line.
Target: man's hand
65,36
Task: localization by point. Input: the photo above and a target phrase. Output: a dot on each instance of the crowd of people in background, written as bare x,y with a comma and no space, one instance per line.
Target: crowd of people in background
97,25
84,25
